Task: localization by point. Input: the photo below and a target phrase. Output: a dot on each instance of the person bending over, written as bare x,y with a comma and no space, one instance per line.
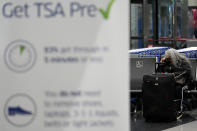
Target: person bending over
179,65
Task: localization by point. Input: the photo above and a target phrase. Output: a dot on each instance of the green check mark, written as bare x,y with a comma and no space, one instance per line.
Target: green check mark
105,13
22,48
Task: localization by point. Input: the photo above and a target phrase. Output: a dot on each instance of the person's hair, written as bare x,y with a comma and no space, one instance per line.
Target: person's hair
176,57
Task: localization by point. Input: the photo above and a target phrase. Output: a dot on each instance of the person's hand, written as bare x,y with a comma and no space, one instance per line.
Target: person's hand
162,59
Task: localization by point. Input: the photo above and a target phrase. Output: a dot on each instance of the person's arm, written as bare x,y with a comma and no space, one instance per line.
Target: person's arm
184,69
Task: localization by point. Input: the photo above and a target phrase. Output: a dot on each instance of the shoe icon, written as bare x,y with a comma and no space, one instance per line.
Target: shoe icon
18,110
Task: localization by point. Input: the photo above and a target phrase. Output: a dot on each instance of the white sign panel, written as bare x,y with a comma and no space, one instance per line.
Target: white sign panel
64,65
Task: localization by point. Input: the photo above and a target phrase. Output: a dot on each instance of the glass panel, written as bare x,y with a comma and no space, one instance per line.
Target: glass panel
135,44
192,23
136,20
165,18
179,22
150,20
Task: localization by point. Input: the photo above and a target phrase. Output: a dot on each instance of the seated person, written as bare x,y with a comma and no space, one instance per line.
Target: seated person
179,65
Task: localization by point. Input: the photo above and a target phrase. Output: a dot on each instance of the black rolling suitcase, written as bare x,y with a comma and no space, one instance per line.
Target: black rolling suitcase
158,94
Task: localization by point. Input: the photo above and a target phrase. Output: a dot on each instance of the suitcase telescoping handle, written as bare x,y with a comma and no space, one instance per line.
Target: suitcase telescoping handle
157,65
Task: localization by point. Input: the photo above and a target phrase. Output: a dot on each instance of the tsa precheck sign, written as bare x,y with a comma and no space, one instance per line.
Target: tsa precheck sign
48,9
64,65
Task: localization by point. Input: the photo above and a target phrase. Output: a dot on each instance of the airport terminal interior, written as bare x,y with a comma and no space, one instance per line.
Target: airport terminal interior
156,26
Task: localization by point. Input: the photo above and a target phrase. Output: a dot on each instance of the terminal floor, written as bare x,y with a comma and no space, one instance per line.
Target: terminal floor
187,123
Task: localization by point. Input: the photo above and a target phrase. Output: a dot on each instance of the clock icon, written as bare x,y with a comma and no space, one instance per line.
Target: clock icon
20,56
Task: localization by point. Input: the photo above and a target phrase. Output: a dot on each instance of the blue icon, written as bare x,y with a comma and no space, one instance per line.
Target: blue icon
18,111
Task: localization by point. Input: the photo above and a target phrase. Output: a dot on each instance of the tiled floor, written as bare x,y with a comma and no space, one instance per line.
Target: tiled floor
187,123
